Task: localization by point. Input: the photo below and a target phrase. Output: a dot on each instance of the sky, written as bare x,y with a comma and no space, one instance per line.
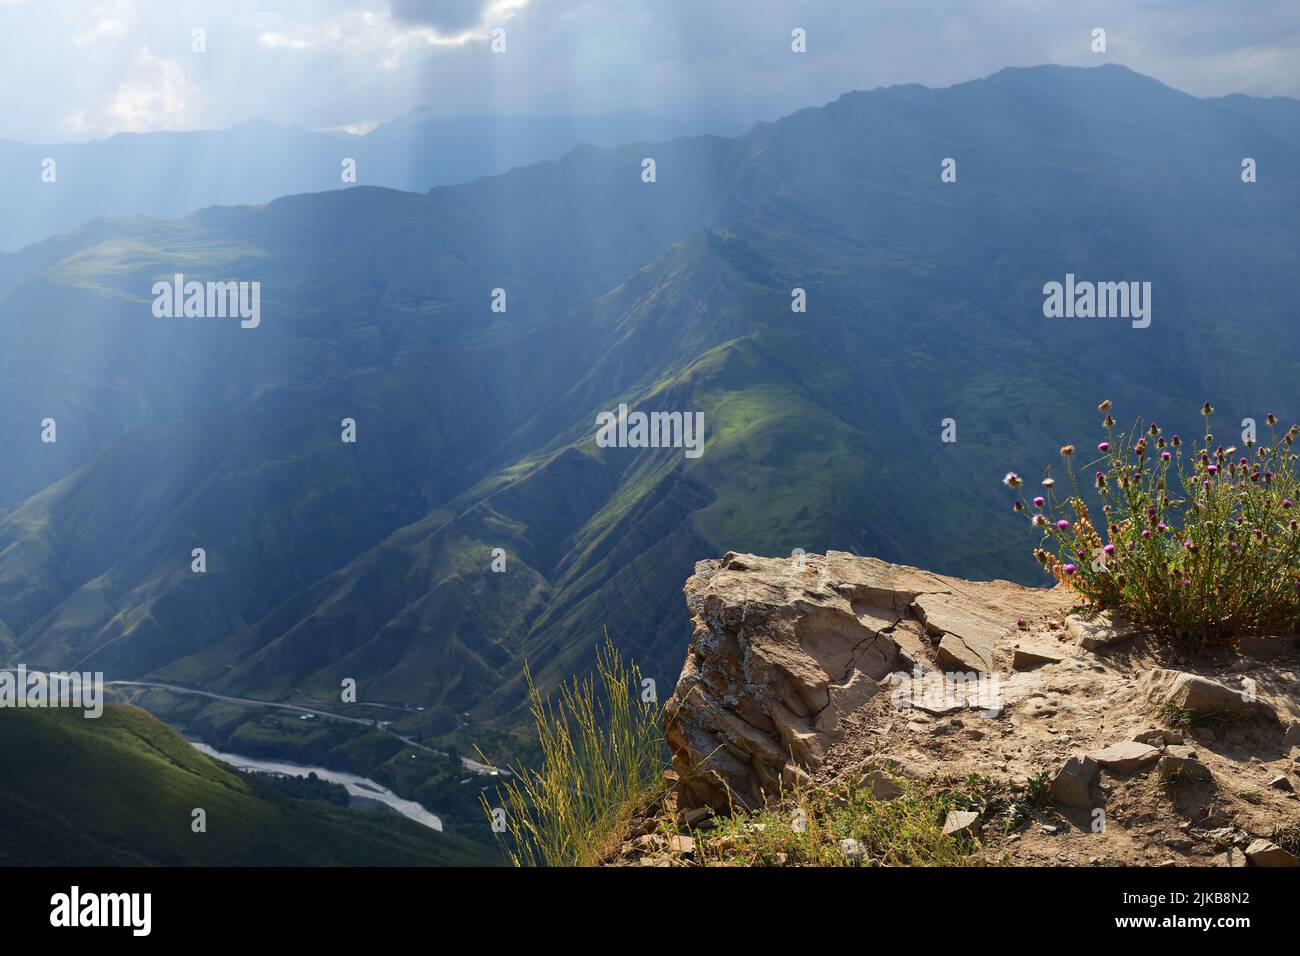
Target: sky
86,69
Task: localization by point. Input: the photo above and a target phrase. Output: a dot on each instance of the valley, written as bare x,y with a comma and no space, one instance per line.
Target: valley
372,561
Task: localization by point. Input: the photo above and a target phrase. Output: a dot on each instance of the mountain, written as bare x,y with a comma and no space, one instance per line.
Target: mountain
171,174
120,791
476,429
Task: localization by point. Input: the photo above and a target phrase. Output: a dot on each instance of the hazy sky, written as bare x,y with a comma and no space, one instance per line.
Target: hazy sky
81,69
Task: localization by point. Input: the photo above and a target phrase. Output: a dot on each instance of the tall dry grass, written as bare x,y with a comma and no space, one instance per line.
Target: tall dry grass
602,760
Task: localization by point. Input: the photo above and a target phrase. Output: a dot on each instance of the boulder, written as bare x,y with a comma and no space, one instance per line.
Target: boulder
681,845
1096,629
881,785
1268,853
1072,785
852,850
1126,756
960,821
782,650
1231,857
1174,767
1200,695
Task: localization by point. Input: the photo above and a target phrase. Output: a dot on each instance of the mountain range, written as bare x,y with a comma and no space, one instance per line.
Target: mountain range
171,174
475,428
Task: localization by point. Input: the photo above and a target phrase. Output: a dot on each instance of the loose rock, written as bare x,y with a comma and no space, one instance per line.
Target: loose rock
1072,784
1126,757
1268,853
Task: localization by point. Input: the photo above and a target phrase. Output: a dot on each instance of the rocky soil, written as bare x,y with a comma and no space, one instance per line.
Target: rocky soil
804,673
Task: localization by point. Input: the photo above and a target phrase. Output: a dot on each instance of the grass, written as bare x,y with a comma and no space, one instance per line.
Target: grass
121,789
1181,718
602,758
808,827
1196,541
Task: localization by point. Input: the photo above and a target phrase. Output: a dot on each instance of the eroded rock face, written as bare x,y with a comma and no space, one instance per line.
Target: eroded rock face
783,649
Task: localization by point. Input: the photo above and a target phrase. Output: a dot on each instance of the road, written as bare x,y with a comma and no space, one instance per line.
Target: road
466,762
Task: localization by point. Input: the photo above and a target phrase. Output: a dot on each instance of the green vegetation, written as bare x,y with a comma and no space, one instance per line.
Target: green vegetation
121,789
1200,540
440,783
602,761
808,826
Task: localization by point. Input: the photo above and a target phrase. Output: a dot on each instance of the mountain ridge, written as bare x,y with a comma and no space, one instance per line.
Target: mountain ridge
673,295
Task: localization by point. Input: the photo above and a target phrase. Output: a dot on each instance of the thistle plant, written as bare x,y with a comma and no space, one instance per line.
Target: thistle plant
1196,541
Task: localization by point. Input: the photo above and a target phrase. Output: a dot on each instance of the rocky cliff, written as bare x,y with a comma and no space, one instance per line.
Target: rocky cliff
806,672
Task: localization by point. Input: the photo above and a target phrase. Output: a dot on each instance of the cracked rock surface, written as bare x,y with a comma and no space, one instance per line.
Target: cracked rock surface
783,649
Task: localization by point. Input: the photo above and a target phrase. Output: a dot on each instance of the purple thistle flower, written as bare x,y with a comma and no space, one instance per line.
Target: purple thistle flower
1104,446
1069,569
1039,501
1063,524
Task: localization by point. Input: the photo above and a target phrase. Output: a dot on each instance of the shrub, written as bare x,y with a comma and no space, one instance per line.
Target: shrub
1196,540
601,761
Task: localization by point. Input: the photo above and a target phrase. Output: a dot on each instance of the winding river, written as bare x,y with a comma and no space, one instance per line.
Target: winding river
358,787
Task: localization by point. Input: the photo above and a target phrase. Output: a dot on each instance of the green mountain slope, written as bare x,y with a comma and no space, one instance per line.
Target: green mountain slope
119,790
373,561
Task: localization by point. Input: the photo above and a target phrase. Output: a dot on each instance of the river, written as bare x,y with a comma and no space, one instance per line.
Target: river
360,787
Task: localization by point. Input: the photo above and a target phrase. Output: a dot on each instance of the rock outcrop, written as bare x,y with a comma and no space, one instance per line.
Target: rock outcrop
822,672
783,649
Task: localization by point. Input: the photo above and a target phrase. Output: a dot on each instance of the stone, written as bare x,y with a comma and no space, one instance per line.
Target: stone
1292,736
960,654
1261,647
1174,768
1282,782
1268,853
1072,784
852,850
690,818
968,630
782,651
1156,738
960,821
1027,654
881,785
1200,695
681,845
1127,756
649,842
1092,630
1230,857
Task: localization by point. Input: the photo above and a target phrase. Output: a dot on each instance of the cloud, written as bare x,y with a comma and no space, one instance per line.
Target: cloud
156,95
337,63
445,16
